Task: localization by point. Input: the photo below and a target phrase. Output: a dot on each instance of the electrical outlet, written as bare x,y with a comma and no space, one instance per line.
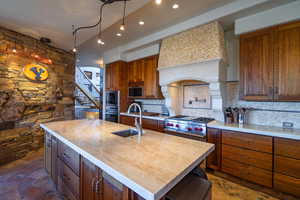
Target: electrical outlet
287,125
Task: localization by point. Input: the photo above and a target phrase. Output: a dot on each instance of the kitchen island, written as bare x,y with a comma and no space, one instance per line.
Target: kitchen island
149,165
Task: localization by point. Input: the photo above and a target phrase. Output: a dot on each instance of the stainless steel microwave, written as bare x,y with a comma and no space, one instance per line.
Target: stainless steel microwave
135,91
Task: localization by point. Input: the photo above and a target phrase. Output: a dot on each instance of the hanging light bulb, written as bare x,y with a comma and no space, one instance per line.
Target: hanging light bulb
122,27
99,41
74,50
14,50
158,2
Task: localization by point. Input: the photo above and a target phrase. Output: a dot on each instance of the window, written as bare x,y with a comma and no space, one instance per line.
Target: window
89,74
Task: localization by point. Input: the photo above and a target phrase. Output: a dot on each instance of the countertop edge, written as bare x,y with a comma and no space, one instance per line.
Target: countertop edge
123,179
282,134
144,117
115,174
177,179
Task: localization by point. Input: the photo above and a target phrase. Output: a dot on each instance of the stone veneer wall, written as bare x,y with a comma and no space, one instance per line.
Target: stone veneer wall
196,45
25,104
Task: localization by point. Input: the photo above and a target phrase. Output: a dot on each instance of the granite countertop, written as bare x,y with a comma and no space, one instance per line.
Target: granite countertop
258,129
149,165
146,115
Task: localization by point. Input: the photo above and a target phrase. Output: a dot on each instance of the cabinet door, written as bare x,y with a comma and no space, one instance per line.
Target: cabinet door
47,153
150,68
214,159
90,181
54,155
256,66
114,190
108,77
127,120
287,62
136,73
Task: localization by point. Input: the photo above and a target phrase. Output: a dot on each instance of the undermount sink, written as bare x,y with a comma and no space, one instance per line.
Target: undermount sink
126,133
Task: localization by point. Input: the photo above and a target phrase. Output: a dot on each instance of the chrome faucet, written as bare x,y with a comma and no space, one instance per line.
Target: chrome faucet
137,124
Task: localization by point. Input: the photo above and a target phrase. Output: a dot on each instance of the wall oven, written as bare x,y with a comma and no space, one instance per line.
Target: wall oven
135,91
112,106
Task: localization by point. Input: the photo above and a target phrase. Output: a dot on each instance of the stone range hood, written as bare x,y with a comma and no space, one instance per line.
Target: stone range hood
197,54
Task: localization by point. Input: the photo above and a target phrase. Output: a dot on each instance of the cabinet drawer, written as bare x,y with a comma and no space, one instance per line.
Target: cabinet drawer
248,157
287,166
65,191
286,147
69,157
247,172
287,184
150,124
248,141
127,120
68,178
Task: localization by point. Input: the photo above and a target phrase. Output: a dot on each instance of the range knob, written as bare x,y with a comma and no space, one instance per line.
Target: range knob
198,129
189,129
169,124
177,126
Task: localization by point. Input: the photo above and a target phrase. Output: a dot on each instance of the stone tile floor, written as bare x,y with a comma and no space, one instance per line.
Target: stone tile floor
26,179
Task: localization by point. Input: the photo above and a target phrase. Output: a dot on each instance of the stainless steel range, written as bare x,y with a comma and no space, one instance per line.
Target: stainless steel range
187,125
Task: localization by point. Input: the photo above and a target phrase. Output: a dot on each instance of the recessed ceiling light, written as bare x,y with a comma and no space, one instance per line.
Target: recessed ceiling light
141,23
175,6
119,34
158,2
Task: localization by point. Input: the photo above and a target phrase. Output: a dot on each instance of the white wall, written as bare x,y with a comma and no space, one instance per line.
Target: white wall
278,15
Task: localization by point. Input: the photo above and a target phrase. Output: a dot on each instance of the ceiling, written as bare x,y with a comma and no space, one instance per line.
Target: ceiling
159,18
54,18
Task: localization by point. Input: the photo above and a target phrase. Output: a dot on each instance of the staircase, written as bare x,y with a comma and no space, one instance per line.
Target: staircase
87,95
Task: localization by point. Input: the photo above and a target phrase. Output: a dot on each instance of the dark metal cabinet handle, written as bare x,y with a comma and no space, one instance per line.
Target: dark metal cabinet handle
276,90
98,183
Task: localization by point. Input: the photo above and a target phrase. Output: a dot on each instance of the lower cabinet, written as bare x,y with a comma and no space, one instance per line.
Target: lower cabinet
214,136
287,166
91,181
268,161
151,124
76,178
248,156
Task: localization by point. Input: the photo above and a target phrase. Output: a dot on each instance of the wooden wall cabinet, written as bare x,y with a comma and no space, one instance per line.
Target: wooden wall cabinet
116,79
152,88
270,64
214,136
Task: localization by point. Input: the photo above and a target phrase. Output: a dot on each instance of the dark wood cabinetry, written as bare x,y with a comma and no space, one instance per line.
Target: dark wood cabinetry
268,161
287,166
270,64
77,178
138,73
287,62
256,63
214,136
91,181
152,89
116,79
151,124
248,156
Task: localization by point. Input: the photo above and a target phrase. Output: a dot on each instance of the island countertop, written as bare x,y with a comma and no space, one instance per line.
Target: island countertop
150,165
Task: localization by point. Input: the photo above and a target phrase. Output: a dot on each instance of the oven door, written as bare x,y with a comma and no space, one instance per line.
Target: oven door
112,98
135,92
186,135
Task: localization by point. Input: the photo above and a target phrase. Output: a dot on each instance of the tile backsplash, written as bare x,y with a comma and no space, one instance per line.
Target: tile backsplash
265,113
152,105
